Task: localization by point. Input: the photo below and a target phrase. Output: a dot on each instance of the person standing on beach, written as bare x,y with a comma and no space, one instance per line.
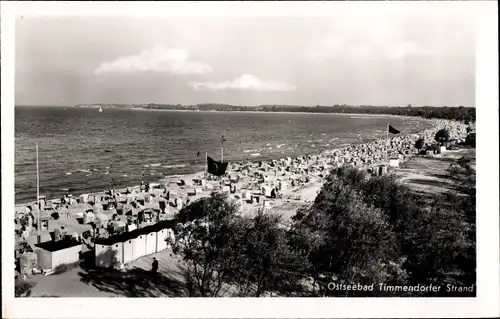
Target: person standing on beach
154,268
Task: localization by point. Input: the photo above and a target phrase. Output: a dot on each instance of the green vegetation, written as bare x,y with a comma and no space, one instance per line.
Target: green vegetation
360,229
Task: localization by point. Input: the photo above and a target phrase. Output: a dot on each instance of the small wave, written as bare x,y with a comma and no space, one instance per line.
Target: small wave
174,166
255,154
280,145
155,164
124,175
248,151
68,173
147,165
268,144
269,148
88,175
83,170
106,173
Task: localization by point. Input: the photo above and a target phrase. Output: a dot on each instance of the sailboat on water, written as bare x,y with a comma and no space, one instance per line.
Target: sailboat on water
100,109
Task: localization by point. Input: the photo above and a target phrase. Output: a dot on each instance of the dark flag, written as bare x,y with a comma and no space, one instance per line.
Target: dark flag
393,130
216,168
198,154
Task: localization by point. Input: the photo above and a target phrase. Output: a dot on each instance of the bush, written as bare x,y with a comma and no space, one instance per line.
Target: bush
378,230
64,268
471,139
23,288
419,144
442,136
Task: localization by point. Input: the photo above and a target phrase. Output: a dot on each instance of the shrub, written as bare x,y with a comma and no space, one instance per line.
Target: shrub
378,230
442,136
64,268
471,139
419,144
23,288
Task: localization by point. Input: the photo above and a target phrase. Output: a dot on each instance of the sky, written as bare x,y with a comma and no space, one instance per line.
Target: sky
356,60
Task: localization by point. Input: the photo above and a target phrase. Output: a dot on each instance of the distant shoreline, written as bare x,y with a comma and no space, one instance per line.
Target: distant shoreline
273,112
228,111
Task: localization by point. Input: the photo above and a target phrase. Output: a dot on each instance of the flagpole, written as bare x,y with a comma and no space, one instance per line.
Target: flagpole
206,164
222,150
386,141
38,195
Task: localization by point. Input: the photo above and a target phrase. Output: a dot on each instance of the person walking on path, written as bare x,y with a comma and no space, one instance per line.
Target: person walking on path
154,267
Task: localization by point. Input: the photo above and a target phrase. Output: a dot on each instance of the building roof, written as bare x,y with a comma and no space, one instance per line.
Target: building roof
58,245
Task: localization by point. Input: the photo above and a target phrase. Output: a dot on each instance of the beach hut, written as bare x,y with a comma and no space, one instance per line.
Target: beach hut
139,242
191,191
163,230
51,254
128,250
163,204
91,198
118,225
109,252
151,240
130,198
179,203
382,170
88,217
83,198
266,190
101,219
161,237
121,199
246,196
140,199
394,162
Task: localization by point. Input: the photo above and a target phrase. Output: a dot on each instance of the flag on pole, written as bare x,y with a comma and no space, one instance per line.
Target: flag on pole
198,154
216,168
393,130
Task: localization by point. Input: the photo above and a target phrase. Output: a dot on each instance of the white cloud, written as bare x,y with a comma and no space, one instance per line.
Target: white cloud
244,82
157,59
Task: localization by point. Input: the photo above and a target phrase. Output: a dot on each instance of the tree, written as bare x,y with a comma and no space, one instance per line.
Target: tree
267,263
378,230
205,239
355,242
226,254
442,136
419,144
